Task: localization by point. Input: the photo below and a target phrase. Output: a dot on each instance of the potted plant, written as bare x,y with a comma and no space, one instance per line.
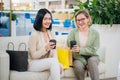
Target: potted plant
14,17
102,11
53,11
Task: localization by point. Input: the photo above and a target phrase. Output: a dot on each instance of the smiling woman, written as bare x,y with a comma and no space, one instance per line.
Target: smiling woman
43,54
84,51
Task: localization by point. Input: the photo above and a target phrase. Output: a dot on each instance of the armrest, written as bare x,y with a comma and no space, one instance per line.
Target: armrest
102,66
4,66
101,52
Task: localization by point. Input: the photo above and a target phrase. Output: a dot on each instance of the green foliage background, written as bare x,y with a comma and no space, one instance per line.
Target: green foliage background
102,11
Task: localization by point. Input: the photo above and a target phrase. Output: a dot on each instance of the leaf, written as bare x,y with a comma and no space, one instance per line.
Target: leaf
14,17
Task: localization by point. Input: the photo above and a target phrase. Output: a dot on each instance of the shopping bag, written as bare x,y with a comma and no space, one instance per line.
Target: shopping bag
63,56
18,59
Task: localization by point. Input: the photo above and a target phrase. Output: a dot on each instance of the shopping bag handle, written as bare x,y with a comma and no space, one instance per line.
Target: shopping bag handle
9,45
21,45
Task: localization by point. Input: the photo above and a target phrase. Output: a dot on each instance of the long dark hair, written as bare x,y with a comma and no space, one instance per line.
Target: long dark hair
39,19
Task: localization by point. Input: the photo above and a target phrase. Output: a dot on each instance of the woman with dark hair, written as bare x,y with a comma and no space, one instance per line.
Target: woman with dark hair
85,42
43,56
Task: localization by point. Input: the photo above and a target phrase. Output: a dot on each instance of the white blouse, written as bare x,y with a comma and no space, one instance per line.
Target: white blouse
83,39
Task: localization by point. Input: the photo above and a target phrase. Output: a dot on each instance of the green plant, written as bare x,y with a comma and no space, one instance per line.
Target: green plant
102,11
14,17
53,11
60,12
66,12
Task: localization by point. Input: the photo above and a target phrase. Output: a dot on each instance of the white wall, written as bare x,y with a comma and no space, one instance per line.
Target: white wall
110,38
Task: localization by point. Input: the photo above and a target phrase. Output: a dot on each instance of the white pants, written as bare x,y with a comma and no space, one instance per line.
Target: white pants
47,64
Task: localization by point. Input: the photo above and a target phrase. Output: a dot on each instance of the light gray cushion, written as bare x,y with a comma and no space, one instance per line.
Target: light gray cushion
4,66
101,52
15,75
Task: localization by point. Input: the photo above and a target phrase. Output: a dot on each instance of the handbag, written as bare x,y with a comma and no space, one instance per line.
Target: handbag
18,59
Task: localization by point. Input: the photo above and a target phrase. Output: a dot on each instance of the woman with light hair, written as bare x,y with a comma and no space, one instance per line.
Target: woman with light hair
84,42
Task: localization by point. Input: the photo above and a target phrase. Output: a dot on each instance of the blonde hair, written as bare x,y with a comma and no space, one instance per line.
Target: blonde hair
86,13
